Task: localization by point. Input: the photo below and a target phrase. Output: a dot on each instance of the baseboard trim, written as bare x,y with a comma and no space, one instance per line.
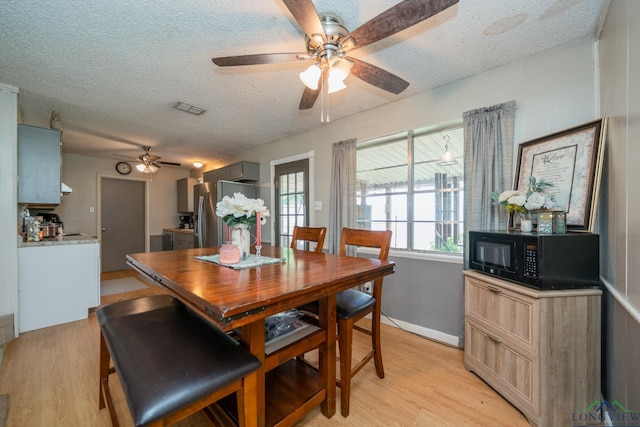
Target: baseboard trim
431,334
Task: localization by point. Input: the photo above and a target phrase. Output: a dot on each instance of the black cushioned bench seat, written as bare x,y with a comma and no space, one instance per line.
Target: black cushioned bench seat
166,356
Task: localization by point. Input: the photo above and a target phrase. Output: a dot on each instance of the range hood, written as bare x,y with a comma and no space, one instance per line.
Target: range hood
65,189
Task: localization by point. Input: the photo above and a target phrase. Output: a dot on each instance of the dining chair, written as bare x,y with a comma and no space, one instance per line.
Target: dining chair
308,234
352,305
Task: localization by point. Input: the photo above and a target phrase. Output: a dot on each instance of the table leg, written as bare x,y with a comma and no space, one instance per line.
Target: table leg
327,354
252,336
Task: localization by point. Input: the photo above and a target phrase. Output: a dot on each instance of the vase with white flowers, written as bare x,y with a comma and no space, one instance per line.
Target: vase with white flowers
239,213
524,202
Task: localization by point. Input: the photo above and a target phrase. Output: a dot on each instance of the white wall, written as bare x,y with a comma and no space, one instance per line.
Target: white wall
81,173
554,90
8,199
619,221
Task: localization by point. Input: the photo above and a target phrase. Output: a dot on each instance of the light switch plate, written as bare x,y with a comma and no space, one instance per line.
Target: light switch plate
317,205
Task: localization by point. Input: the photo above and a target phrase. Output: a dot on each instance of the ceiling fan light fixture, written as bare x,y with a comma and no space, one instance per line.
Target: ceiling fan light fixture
338,71
311,76
340,68
336,85
150,168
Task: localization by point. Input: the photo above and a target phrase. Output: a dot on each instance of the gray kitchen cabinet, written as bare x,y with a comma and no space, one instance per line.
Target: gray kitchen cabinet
185,194
39,161
244,171
239,172
183,241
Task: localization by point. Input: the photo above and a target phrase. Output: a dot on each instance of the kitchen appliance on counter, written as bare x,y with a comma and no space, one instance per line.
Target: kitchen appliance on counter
186,221
51,225
541,261
208,227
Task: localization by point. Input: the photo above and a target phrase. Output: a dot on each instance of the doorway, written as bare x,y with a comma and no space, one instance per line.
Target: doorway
291,187
122,221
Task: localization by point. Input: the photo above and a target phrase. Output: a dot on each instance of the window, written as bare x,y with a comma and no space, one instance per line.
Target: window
405,184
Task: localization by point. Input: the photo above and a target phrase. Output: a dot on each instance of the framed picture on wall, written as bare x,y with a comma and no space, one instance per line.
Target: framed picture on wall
571,160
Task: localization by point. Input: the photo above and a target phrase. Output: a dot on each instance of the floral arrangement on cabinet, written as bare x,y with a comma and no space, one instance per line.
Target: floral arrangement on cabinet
523,202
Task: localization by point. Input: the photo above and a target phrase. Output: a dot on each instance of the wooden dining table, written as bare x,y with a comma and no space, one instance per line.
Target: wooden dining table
241,299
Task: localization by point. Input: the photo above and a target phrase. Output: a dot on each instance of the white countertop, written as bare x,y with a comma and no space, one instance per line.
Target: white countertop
68,239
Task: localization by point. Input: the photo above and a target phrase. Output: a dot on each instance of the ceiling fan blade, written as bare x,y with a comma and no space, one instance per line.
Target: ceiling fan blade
260,58
397,18
148,158
307,17
309,97
168,163
377,76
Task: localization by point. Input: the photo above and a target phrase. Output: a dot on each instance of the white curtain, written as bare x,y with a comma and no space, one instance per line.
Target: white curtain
488,165
343,192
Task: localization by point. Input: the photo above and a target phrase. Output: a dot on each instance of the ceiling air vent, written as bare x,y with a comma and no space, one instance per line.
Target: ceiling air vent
183,106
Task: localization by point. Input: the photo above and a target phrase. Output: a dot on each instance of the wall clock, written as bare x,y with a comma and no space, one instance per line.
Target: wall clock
123,168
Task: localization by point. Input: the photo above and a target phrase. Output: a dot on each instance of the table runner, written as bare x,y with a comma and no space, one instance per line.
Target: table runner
247,263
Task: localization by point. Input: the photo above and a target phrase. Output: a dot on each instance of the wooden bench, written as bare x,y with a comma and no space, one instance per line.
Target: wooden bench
171,363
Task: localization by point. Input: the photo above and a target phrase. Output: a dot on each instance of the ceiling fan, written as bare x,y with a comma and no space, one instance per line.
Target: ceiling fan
328,41
147,162
150,163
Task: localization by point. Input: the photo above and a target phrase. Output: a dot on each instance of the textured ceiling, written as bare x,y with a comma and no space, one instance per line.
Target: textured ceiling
113,69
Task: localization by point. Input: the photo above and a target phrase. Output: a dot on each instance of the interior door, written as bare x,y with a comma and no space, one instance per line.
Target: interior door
122,219
292,204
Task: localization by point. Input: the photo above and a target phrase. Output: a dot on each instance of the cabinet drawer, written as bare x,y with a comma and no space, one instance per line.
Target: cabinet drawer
515,315
510,372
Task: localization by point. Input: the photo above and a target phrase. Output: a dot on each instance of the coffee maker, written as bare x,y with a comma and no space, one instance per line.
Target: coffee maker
186,221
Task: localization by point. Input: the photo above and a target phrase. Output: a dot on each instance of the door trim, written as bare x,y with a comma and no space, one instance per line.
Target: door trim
99,207
272,169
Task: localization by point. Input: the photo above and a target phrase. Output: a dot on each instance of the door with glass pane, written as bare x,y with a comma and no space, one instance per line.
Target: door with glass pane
292,205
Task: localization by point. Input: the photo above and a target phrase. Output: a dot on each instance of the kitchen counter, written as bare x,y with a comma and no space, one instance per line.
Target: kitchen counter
179,230
68,239
59,281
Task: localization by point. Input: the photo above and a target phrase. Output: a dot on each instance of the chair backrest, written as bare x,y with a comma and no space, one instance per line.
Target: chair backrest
366,238
309,234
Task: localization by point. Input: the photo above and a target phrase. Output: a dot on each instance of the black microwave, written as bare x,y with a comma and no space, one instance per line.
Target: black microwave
541,261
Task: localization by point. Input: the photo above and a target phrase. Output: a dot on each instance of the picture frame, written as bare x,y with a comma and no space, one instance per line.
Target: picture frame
571,160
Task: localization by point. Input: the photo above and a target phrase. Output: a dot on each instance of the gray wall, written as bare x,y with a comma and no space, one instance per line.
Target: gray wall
553,91
620,203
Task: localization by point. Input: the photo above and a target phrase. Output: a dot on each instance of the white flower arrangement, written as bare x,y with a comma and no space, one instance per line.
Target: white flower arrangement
524,201
240,209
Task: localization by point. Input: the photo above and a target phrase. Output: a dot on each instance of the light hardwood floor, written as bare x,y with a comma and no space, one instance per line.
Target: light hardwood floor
51,376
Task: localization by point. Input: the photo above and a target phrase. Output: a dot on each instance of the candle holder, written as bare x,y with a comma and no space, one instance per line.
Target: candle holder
259,259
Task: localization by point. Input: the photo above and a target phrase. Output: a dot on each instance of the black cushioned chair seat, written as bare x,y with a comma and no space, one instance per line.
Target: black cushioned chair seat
348,303
166,356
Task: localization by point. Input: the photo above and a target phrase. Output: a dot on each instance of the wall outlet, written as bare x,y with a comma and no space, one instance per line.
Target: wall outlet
367,287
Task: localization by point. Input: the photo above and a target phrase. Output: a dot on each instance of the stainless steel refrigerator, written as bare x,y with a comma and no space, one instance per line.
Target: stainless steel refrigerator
208,227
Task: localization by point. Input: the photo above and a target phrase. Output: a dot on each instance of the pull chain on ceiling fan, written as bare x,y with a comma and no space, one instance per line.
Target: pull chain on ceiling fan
328,41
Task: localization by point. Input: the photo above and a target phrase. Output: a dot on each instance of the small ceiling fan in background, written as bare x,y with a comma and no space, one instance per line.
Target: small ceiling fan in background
149,163
328,41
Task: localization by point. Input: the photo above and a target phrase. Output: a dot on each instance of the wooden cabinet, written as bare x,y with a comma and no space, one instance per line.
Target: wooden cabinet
39,161
538,349
240,172
185,194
